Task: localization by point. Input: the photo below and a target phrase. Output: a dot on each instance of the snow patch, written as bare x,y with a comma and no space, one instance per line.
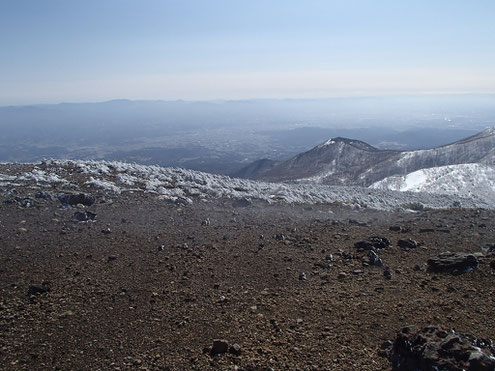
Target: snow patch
464,180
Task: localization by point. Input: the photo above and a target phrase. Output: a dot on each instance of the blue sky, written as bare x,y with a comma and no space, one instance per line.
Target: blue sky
66,50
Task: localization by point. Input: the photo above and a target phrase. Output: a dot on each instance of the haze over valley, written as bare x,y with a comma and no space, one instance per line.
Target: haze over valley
223,136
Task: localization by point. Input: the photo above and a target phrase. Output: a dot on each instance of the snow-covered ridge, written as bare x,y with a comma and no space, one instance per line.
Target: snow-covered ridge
187,186
464,180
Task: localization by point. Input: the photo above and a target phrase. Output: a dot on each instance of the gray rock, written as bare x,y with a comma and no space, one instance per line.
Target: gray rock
374,259
235,349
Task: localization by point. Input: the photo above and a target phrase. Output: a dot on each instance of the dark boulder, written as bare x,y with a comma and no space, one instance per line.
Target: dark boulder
433,348
76,198
451,262
373,243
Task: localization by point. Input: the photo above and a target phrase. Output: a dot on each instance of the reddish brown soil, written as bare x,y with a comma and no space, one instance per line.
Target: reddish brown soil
116,302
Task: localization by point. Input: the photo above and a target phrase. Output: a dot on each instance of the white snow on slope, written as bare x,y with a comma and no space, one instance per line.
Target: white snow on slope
465,180
187,186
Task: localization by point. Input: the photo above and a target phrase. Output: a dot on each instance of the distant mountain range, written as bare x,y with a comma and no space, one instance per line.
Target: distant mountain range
342,161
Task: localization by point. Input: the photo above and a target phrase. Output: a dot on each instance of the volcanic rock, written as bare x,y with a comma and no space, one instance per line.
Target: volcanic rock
455,263
219,347
84,216
373,243
76,198
433,348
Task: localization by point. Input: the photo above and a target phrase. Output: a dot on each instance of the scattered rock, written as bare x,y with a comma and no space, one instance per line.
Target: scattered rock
25,202
455,263
76,198
407,244
219,347
302,276
387,274
373,243
433,348
342,275
206,222
84,216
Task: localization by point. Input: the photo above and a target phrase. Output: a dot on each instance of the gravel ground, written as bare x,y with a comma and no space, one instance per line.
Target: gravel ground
150,284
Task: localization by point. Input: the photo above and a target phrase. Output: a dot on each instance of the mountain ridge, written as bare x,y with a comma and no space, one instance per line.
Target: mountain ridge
344,161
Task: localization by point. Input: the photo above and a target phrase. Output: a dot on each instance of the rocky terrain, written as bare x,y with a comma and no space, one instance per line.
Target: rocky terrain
108,267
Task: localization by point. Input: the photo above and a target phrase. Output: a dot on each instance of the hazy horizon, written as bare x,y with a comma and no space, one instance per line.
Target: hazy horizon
70,51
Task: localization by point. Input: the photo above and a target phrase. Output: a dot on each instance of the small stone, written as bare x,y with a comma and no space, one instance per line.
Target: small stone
235,349
222,299
66,314
387,274
374,259
219,347
342,275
